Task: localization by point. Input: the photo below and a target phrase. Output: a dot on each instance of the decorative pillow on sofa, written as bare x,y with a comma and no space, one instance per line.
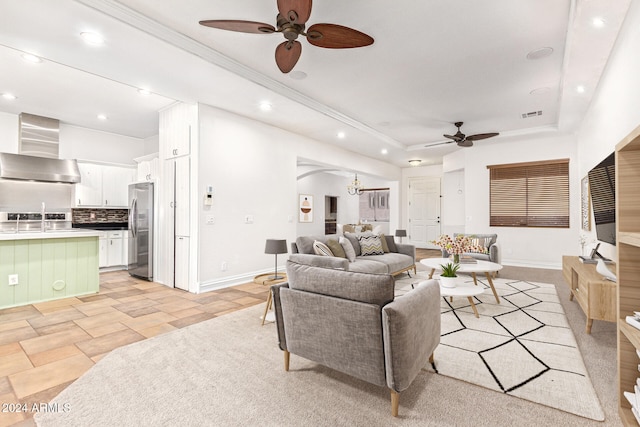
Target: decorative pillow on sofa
353,239
480,242
321,249
348,249
391,244
370,245
336,248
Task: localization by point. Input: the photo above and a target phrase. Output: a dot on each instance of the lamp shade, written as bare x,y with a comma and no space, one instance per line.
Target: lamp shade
401,233
276,246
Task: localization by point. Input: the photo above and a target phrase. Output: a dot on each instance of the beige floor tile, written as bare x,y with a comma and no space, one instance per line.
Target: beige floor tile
178,304
186,313
131,305
219,306
39,359
157,330
108,342
13,325
58,327
102,319
97,309
190,320
12,363
11,315
149,285
50,375
248,301
56,305
51,341
99,357
5,386
161,294
56,317
10,348
149,320
10,418
41,397
18,334
109,328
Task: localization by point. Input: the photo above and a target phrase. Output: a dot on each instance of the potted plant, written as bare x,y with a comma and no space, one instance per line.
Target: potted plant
448,276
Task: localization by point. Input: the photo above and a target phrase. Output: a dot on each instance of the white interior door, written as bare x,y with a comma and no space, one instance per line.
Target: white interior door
424,211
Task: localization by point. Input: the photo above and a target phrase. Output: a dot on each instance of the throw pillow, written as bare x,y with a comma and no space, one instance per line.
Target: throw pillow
336,248
348,249
321,249
353,239
370,245
480,242
383,240
348,228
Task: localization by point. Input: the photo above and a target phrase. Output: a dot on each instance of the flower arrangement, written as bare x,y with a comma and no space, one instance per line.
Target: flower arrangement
456,246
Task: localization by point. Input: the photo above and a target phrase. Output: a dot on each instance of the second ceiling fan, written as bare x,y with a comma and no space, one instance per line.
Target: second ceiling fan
463,140
290,21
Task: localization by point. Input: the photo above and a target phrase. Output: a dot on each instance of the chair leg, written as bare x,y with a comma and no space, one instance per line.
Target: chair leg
286,360
431,359
395,403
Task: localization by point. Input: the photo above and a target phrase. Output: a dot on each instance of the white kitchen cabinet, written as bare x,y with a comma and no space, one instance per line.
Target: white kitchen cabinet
182,263
114,249
182,182
125,248
148,170
89,189
103,185
175,130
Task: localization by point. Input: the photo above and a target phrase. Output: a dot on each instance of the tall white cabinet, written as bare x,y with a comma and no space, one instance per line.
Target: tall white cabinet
177,137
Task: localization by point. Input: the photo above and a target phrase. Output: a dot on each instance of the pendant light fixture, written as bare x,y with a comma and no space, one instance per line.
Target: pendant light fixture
356,187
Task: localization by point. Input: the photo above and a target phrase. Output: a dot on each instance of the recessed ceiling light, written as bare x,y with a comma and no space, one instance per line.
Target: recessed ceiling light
581,89
9,96
341,135
415,162
540,91
31,58
92,38
543,52
102,117
144,91
384,151
298,75
598,22
266,106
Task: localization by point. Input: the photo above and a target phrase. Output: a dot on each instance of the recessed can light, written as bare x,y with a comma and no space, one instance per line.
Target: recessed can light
598,22
144,92
543,52
581,89
102,117
341,135
9,96
266,106
384,151
92,38
31,58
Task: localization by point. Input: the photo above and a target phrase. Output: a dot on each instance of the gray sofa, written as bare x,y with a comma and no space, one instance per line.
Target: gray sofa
351,322
485,240
401,258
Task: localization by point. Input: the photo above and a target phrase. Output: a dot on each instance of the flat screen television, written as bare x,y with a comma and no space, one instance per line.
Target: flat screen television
602,187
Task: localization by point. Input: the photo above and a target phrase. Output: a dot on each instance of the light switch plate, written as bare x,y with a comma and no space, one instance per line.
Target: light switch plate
211,219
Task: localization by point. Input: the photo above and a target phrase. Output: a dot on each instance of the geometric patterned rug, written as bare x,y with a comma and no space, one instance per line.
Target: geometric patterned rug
523,347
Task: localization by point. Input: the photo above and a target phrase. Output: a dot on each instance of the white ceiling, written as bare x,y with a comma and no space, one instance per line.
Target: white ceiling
432,63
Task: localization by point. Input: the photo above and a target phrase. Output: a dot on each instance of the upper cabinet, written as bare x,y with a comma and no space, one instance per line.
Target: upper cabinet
148,169
103,185
175,130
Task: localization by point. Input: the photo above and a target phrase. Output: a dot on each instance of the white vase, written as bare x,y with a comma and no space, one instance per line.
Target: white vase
448,282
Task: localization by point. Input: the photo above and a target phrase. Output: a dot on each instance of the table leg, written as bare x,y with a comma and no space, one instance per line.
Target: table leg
493,289
475,310
589,324
267,307
433,270
475,280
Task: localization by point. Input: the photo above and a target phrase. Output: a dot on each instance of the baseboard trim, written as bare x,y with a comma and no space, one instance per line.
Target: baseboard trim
225,282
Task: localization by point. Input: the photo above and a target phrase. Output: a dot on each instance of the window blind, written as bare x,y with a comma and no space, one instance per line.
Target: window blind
534,194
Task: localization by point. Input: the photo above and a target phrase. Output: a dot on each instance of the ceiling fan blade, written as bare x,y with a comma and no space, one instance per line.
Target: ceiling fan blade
456,138
438,143
296,11
287,55
239,26
479,136
334,36
465,143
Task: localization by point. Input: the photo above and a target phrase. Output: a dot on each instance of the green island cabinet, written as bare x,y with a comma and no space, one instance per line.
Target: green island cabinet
48,266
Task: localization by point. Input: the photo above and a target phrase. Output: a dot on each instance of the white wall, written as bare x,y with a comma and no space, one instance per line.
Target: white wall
320,185
537,247
253,170
615,108
152,144
453,202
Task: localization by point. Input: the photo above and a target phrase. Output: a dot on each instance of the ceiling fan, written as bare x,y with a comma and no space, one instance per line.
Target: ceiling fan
463,140
290,21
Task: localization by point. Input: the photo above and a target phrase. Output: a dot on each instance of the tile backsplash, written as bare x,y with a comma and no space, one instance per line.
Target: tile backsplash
91,216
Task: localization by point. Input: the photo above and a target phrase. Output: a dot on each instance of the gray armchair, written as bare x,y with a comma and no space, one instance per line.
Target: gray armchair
487,241
351,322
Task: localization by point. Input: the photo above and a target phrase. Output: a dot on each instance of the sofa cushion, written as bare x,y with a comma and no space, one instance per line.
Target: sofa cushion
370,245
353,238
320,248
305,243
393,261
367,265
321,261
348,249
336,248
368,288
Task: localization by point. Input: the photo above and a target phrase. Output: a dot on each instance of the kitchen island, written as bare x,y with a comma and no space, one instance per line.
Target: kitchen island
47,265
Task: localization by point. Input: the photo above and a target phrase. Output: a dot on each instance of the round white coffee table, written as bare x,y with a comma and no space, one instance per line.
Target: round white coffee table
463,291
485,267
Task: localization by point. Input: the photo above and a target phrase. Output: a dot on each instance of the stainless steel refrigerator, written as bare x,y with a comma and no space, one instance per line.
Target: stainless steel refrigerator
141,230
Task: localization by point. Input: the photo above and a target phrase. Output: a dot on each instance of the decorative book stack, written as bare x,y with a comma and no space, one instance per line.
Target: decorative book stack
634,398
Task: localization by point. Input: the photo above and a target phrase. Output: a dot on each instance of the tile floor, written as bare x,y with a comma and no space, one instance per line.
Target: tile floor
45,347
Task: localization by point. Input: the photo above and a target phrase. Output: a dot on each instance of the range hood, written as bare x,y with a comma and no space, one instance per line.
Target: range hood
32,168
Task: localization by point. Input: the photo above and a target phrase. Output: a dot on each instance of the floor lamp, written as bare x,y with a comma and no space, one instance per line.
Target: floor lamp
273,246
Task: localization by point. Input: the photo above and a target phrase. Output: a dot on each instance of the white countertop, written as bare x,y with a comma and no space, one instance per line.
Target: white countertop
52,234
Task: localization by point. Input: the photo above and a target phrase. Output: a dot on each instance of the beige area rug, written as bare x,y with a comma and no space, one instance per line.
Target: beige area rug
228,371
523,346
